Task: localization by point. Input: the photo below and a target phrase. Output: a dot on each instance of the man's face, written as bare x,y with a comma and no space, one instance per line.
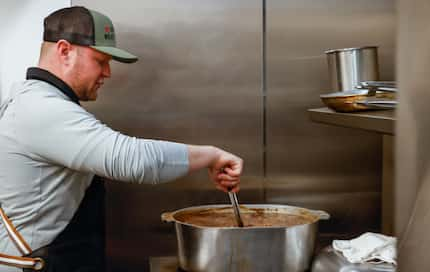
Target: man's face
89,71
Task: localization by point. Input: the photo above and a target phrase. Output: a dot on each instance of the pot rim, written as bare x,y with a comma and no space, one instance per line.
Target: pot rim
331,51
318,214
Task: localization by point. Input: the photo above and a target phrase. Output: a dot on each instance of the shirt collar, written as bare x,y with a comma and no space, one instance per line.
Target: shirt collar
44,75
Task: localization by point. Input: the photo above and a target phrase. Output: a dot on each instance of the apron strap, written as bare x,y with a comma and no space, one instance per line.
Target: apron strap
21,245
14,235
22,262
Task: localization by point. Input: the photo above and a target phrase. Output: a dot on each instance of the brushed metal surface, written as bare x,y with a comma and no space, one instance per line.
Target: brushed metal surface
330,260
412,145
163,264
313,165
412,190
264,250
378,121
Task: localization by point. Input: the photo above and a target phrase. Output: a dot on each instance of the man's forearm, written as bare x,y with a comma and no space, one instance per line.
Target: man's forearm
201,156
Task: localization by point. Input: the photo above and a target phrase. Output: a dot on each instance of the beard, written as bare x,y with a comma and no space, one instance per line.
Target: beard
85,83
85,88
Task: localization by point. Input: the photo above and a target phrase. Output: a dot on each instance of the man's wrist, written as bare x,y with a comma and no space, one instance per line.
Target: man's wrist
201,156
215,154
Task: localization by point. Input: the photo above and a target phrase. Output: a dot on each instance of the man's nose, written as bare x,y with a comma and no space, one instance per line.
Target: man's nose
106,70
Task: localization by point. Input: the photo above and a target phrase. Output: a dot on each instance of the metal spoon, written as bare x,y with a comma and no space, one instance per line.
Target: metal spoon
234,203
236,209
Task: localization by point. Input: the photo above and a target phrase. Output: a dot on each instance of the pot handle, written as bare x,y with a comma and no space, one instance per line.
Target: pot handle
167,217
321,214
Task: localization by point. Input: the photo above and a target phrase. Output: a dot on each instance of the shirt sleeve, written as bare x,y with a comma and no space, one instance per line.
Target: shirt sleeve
61,132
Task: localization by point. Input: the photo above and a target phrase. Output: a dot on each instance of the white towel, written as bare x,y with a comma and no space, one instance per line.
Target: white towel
369,247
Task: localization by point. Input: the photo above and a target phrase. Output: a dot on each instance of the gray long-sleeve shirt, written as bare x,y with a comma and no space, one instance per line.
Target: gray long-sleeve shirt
50,149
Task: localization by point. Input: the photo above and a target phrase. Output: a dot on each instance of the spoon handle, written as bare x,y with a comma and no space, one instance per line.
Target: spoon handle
235,203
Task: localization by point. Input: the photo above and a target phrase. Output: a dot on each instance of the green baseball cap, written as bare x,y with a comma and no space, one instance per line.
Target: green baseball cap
81,26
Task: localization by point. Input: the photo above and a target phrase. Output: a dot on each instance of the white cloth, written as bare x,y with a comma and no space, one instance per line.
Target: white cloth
368,247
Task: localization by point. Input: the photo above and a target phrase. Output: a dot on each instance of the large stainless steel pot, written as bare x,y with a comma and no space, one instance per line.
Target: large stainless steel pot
350,66
222,249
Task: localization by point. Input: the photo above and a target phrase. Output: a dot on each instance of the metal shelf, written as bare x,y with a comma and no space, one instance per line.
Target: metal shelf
381,121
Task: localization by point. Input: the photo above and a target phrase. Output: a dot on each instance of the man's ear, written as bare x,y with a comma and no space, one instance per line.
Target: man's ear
64,51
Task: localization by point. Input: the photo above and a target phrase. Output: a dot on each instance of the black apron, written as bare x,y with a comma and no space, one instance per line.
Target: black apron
80,247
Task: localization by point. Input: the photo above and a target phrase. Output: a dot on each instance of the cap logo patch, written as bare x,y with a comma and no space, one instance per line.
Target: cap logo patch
109,34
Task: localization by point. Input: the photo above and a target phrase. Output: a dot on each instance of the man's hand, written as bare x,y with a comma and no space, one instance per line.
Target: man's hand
224,168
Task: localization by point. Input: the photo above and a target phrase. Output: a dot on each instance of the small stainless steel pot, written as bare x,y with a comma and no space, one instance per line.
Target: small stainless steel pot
349,66
221,249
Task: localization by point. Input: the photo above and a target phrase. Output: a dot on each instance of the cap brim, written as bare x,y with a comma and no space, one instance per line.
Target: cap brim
117,54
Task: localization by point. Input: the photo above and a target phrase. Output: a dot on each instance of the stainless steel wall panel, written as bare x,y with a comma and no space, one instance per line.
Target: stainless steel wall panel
197,81
412,185
314,165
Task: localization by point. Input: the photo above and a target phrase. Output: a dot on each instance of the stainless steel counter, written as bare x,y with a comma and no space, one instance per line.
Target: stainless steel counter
327,261
163,264
331,261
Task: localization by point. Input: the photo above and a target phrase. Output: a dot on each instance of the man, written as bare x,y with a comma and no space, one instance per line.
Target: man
51,149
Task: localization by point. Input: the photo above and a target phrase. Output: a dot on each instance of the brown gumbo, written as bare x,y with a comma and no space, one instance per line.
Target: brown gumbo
224,217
